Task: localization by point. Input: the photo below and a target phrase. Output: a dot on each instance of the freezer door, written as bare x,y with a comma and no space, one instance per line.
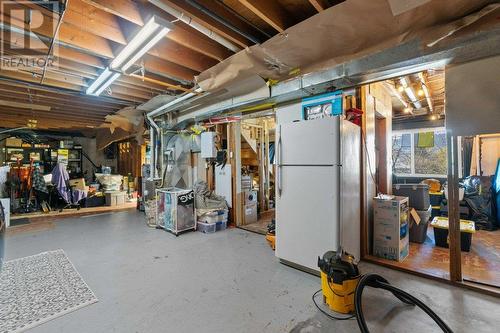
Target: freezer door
311,142
306,214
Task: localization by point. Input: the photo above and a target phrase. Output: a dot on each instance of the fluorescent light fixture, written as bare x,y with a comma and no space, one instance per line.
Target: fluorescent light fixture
102,82
426,92
107,83
100,79
409,92
150,34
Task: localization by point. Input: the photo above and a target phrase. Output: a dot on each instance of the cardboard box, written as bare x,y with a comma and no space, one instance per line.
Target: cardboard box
13,142
115,198
78,184
391,228
251,212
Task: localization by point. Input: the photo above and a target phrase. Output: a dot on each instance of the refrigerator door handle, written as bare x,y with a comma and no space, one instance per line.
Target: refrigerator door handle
280,162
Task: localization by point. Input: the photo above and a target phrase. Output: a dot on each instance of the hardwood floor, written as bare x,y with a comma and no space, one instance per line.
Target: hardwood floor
480,265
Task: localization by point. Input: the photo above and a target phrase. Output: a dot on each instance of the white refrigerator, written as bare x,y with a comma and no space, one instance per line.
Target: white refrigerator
317,190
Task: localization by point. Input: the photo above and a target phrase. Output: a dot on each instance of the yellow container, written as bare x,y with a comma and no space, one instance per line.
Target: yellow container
339,297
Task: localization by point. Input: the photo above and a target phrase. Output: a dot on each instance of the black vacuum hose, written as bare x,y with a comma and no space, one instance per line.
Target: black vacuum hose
376,281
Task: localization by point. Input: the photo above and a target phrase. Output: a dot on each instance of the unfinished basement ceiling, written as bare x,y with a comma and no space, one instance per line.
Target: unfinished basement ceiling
425,95
91,34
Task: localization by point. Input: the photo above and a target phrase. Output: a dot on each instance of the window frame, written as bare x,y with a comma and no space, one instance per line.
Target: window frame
412,133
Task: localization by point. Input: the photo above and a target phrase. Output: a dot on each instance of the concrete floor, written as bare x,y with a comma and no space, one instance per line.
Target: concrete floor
150,281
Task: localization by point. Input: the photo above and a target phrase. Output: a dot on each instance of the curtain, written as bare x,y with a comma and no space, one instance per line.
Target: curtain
467,145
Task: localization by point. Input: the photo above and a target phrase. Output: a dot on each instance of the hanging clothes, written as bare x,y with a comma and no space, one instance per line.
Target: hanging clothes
38,181
60,179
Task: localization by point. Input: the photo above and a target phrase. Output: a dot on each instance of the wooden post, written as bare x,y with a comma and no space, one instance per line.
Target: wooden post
267,172
234,145
454,209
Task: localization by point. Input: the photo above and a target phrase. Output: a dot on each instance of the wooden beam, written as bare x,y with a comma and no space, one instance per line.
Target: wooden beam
208,22
23,76
57,105
6,111
269,11
319,5
160,66
171,51
105,25
88,18
16,121
195,41
101,47
25,88
125,9
67,34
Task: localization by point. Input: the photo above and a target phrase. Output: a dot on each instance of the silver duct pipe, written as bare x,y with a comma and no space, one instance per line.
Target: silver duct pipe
152,145
195,25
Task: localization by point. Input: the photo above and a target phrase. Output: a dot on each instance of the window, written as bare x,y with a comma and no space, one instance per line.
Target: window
419,153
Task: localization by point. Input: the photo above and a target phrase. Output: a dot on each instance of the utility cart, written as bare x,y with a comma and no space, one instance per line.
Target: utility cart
175,210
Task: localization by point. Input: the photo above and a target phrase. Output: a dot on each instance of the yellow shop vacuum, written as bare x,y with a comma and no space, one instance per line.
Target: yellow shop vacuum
339,278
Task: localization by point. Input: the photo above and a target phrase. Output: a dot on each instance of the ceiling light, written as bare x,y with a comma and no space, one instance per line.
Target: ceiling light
409,91
102,82
426,92
150,34
401,89
434,117
420,92
407,110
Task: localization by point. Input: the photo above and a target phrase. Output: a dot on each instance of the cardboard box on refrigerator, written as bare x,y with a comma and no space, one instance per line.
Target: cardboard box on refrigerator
391,228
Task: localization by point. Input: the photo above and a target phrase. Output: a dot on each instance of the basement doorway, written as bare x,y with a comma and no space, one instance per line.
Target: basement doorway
407,142
257,173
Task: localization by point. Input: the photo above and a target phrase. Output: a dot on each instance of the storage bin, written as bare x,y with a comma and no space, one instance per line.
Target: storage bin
440,226
436,198
215,216
436,211
222,225
418,232
418,194
206,228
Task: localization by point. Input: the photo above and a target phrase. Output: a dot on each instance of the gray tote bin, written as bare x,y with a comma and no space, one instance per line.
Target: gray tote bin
418,233
418,194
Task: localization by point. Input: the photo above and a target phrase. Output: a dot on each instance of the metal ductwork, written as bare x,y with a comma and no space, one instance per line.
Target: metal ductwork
404,59
195,25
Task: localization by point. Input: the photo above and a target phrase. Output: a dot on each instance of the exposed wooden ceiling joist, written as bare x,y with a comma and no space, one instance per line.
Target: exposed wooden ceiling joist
269,11
319,5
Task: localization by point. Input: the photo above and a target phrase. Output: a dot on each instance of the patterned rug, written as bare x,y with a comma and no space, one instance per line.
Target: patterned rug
39,288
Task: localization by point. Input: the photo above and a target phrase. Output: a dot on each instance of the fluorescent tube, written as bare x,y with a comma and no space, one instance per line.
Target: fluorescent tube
107,83
154,30
145,49
100,79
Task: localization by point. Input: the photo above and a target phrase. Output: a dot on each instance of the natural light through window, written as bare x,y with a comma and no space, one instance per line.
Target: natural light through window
419,153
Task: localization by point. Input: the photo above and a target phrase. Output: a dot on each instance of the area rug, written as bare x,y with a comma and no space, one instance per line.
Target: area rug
39,288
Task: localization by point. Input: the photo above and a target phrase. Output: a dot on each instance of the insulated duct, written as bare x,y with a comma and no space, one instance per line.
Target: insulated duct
195,25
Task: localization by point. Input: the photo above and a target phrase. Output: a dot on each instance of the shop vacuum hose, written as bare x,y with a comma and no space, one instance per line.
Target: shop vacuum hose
377,281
